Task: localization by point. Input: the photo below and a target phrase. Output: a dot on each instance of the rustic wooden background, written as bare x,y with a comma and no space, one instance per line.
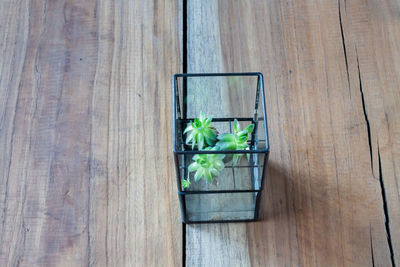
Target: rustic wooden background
86,168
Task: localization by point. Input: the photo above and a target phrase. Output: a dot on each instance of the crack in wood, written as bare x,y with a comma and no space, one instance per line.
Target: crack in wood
183,244
184,36
365,116
372,248
385,210
344,47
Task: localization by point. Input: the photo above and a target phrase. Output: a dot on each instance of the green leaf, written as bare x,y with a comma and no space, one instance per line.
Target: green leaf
219,165
208,121
200,141
226,145
249,128
185,183
210,142
242,133
199,173
236,159
190,137
208,176
197,123
242,146
188,128
193,166
202,116
208,133
236,126
243,138
214,172
227,137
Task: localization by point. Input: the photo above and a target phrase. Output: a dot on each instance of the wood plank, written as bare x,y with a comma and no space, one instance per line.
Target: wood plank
86,169
373,29
323,203
204,54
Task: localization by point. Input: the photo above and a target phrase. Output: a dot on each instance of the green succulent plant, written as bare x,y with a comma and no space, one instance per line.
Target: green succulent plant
236,140
206,166
186,183
200,132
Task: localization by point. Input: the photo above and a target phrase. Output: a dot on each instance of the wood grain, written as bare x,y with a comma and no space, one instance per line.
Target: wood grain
86,169
86,173
331,82
210,244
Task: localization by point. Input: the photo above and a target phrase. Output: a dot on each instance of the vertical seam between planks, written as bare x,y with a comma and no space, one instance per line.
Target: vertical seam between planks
184,69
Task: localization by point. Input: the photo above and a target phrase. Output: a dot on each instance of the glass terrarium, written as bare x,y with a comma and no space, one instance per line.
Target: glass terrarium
220,145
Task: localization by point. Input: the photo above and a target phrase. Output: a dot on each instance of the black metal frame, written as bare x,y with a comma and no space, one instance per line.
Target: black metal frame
182,194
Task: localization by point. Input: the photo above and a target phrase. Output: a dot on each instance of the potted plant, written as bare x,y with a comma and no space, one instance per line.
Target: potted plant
220,145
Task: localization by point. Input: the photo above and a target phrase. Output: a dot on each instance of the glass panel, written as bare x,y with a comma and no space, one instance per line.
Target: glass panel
224,206
259,141
245,175
220,96
224,98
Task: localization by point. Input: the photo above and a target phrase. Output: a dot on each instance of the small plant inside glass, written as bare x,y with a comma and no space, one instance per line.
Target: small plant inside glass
201,135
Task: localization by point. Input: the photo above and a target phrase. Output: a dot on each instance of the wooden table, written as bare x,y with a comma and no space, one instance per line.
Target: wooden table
86,167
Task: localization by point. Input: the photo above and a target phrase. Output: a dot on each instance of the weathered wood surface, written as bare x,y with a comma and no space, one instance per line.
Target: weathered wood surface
331,71
86,174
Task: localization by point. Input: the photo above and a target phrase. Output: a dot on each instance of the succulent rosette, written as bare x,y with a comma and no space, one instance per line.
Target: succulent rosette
205,166
236,140
200,132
